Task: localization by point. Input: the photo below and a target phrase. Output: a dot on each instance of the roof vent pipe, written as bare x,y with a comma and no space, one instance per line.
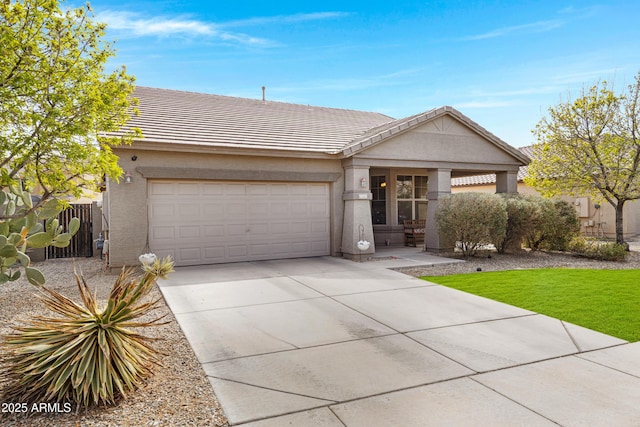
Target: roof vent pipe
263,94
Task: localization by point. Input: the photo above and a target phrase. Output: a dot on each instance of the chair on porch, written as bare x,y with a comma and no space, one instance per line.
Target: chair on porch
413,231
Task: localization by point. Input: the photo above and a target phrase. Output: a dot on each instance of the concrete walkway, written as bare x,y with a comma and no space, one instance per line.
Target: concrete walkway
330,342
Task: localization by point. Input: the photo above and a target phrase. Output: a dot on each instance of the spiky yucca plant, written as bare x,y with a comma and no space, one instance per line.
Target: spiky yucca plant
85,355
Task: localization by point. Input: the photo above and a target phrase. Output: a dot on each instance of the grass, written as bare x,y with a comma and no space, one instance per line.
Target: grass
607,301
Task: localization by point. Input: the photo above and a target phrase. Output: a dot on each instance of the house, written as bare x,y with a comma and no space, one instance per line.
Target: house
220,179
597,219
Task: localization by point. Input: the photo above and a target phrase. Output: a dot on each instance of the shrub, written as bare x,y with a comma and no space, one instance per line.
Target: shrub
471,220
85,355
521,210
554,225
593,249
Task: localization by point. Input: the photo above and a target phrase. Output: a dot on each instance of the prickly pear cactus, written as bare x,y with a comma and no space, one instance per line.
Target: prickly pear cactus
21,228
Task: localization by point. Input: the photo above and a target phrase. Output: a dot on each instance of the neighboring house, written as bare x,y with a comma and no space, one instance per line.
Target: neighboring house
220,179
596,218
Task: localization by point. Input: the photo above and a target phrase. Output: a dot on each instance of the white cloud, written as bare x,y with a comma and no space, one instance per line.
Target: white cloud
163,26
534,27
285,19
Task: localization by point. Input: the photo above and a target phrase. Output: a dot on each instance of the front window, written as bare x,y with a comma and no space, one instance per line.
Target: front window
411,194
379,200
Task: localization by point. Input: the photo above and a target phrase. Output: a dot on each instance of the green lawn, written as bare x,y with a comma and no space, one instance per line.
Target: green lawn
603,300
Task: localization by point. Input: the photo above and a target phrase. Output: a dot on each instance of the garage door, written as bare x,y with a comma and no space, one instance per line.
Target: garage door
209,222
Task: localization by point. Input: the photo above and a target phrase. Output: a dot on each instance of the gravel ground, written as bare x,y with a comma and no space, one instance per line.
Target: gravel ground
491,261
179,393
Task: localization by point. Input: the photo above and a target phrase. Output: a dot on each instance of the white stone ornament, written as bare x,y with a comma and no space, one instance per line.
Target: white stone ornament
363,245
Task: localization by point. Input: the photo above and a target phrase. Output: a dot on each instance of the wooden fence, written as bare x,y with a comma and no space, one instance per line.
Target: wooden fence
82,243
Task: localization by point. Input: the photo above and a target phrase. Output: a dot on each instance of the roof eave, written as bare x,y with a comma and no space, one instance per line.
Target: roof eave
150,145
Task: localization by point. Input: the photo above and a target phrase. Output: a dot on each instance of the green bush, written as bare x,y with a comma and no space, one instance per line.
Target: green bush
86,354
593,249
521,210
553,226
471,220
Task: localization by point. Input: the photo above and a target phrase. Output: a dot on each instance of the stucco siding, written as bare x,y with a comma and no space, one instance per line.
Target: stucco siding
443,140
127,204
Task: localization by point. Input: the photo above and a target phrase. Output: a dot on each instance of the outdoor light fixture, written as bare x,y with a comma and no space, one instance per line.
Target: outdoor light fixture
383,184
363,183
128,179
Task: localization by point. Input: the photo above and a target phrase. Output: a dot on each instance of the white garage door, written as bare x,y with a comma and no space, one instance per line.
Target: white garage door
209,222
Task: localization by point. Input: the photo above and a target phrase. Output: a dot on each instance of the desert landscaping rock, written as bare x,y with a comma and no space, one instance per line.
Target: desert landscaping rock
179,393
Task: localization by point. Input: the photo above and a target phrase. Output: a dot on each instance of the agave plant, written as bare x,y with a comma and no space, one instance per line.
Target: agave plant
86,355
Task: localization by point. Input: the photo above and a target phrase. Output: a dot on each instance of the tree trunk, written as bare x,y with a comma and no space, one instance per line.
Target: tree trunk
619,228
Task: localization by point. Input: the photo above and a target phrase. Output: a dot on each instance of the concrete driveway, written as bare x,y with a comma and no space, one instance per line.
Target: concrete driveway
330,342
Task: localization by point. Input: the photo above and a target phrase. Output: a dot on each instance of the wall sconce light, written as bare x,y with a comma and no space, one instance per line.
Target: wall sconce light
383,184
363,183
128,179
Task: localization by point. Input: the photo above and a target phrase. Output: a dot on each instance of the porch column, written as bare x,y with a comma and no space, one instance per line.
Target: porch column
438,185
507,182
357,212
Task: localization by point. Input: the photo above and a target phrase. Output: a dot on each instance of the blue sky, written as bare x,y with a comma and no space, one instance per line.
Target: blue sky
502,63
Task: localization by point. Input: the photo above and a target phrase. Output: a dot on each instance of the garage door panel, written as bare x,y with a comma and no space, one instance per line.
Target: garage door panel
189,256
236,230
279,189
259,250
279,228
279,210
163,233
235,210
319,247
258,230
299,227
214,254
318,190
299,189
189,232
237,251
301,246
203,222
188,189
189,212
213,211
258,210
213,231
258,190
160,211
235,189
318,209
212,189
161,188
300,209
320,227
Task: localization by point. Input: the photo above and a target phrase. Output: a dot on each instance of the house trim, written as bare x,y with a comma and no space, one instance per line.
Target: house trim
235,175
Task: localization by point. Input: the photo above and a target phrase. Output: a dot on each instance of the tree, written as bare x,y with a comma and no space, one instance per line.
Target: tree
591,146
57,100
57,103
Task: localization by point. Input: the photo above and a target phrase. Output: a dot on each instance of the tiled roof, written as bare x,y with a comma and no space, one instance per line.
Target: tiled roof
491,177
222,122
176,117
